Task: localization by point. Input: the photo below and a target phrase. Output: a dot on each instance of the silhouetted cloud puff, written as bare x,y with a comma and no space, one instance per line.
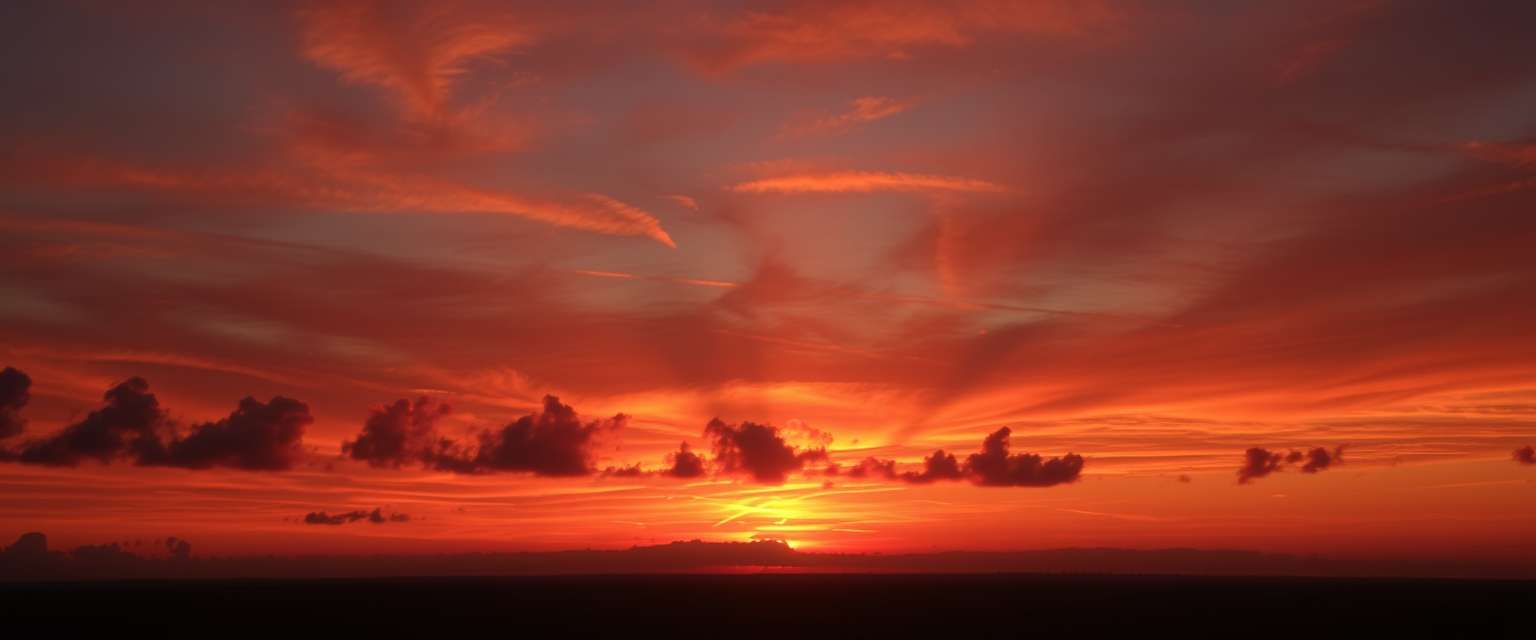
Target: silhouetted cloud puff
377,516
872,467
549,442
758,450
258,436
684,463
943,466
14,386
398,434
1319,459
1525,455
131,424
994,467
128,424
631,471
1259,462
554,442
321,517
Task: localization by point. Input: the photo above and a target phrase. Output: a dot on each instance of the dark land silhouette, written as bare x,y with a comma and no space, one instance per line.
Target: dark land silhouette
30,559
753,589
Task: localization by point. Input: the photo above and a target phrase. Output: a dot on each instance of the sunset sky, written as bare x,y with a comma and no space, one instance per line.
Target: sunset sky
518,276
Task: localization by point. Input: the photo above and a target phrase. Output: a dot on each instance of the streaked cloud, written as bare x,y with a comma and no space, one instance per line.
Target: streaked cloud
861,111
417,51
864,182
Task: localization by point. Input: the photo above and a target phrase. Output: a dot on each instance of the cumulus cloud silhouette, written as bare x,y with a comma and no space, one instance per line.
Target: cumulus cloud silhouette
1319,459
937,466
14,387
377,516
129,424
995,467
398,434
1259,462
631,471
758,450
257,436
684,463
872,467
553,442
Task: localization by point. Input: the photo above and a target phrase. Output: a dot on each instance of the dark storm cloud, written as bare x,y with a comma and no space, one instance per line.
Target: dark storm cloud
1525,455
377,516
554,442
995,467
757,450
14,386
398,434
131,425
684,463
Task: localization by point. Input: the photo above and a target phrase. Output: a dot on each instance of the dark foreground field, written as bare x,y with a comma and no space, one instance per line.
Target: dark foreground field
789,605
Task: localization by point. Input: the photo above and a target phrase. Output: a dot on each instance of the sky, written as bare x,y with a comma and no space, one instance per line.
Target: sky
331,278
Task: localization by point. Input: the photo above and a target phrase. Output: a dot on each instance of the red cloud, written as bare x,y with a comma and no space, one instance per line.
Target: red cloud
415,50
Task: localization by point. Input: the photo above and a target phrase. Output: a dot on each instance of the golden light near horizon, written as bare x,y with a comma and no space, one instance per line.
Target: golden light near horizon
874,277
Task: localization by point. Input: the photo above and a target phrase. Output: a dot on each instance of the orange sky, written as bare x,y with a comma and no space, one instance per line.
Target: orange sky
1152,235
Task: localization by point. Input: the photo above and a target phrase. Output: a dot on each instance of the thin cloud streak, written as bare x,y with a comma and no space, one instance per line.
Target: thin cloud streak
866,182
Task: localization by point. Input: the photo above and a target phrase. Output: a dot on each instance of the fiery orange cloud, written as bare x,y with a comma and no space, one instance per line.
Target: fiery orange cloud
619,275
348,188
685,201
866,181
416,51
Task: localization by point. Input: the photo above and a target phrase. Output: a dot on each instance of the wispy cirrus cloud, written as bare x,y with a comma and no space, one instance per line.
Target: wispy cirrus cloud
417,51
823,32
336,188
865,182
860,111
